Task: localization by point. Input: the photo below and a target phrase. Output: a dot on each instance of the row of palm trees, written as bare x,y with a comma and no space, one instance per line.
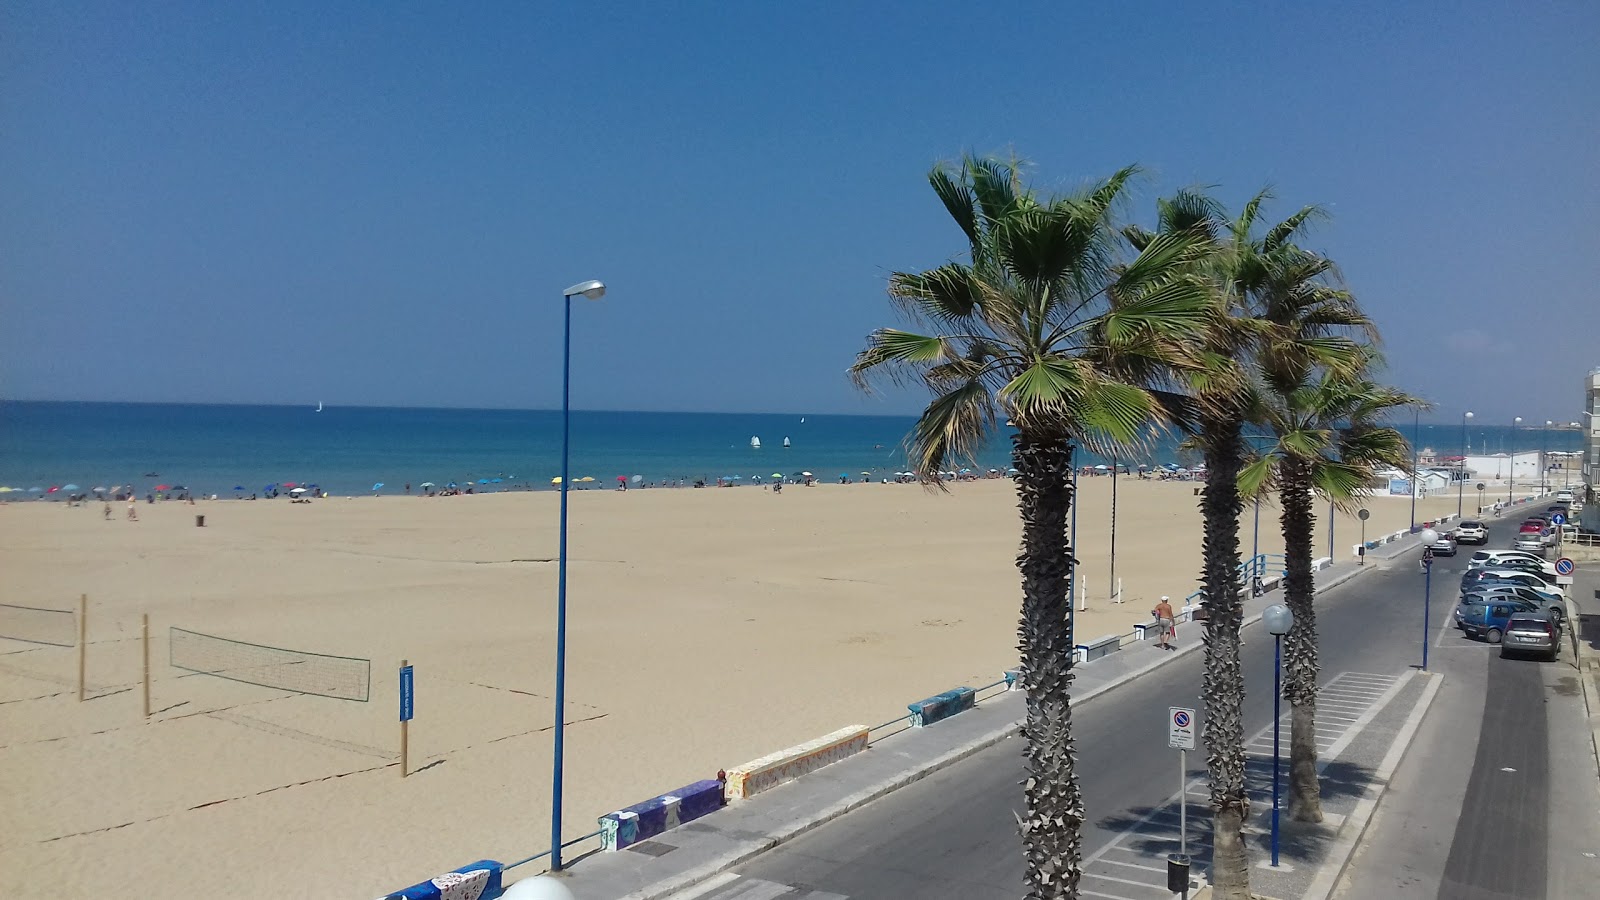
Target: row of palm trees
1083,331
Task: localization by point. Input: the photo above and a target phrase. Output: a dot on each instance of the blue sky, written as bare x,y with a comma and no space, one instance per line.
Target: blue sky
380,203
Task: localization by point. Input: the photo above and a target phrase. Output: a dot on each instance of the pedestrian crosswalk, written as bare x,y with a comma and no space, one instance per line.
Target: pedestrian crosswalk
1134,865
729,886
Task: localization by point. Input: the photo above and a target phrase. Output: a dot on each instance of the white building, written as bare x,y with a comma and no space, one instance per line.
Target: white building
1524,465
1591,431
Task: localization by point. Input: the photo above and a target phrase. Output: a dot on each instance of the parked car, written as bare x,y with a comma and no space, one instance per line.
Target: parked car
1510,576
1472,532
1564,495
1531,632
1536,566
1464,609
1492,558
1488,621
1546,602
1444,546
1531,542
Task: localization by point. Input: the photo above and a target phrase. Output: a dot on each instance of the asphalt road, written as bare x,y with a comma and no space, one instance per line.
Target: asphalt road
1496,798
952,836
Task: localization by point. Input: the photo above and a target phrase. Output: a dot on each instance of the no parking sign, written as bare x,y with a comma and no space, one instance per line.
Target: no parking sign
1180,733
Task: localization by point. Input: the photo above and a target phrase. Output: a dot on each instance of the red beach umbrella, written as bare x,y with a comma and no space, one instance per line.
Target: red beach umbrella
53,489
163,487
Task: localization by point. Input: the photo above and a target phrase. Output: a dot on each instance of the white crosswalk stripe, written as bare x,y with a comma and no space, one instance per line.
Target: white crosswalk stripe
1133,866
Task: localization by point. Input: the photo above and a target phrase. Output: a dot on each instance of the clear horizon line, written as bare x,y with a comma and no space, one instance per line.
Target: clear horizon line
684,412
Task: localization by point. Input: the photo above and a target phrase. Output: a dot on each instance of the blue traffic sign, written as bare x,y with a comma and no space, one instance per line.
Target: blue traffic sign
407,694
1565,566
1558,519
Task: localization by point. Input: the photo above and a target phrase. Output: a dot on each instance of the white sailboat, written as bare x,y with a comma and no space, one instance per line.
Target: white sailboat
755,442
786,442
319,406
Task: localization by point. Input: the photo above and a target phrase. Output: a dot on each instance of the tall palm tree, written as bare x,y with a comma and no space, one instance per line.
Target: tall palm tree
1040,324
1327,440
1243,266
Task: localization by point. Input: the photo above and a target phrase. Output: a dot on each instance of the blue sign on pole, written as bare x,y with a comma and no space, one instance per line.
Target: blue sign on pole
406,694
1558,519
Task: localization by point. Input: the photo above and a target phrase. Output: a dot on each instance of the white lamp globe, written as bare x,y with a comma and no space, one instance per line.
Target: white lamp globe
1278,619
539,887
1429,536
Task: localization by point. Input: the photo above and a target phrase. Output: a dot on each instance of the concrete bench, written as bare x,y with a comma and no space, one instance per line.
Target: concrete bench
941,706
474,881
643,821
1099,647
786,765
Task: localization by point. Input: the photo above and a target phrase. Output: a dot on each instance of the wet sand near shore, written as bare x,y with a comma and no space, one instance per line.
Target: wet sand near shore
707,627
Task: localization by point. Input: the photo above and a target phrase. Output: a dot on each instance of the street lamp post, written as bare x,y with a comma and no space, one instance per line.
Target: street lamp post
1461,485
1544,451
1511,486
592,290
1278,620
1416,437
1428,537
1116,595
1072,573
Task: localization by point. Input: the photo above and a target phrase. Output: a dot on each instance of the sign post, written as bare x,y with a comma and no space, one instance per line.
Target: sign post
1363,514
1564,569
407,707
1180,737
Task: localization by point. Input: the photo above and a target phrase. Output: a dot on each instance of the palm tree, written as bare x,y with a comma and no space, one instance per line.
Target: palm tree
1327,440
1040,324
1242,268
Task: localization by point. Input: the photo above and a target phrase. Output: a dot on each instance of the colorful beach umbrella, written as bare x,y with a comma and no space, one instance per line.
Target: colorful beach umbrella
377,486
6,489
53,489
287,484
555,480
587,478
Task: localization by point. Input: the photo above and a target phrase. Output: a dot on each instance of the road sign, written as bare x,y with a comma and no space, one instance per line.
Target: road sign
1565,566
1180,725
1558,519
1364,514
406,694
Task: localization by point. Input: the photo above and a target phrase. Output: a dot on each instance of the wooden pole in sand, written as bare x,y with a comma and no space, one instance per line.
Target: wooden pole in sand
144,637
83,642
405,724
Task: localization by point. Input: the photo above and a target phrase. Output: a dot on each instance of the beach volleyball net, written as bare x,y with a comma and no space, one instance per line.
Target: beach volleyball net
56,627
321,674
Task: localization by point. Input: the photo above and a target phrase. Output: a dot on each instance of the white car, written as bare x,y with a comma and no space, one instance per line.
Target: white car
1488,558
1471,532
1512,576
1563,496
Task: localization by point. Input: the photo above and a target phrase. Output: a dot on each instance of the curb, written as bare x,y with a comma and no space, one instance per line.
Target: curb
685,880
1355,825
1587,663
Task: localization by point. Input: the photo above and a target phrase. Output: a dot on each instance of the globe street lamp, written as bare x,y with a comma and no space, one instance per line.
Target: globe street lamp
1416,450
1278,620
1461,485
1511,486
1429,536
1544,451
592,290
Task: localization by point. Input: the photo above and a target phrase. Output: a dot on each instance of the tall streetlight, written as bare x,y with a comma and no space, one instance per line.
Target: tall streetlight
1429,536
1544,450
1278,620
1416,460
591,290
1461,485
1511,486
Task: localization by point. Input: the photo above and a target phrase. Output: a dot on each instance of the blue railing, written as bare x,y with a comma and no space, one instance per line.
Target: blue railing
1254,567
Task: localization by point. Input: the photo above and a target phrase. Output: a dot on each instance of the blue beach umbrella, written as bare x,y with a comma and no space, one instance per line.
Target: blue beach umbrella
483,481
238,487
70,487
377,486
36,490
451,484
495,481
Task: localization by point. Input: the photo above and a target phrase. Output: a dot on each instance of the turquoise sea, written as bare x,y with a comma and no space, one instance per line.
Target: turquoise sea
346,450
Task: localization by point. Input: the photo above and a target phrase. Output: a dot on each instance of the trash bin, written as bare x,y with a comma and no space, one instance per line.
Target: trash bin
1178,873
199,521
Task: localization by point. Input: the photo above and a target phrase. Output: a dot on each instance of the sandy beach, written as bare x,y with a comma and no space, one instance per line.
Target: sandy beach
708,627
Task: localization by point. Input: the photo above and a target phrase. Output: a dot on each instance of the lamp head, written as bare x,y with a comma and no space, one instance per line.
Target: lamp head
1278,619
1469,413
1429,536
1517,421
591,290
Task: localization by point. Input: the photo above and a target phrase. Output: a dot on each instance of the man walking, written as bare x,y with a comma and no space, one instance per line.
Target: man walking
1163,614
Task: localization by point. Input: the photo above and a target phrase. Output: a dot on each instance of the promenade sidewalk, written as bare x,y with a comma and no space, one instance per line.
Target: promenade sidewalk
699,850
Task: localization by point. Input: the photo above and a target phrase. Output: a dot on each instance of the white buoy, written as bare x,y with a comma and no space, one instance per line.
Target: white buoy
539,887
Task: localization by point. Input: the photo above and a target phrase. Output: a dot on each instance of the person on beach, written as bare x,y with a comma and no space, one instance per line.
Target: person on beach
1163,614
108,512
133,509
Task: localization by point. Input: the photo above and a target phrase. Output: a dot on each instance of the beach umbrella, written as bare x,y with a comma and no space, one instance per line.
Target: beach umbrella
555,480
163,487
70,487
637,479
494,481
287,484
806,475
622,478
298,491
237,487
866,474
777,474
587,478
36,490
378,485
427,484
6,489
483,481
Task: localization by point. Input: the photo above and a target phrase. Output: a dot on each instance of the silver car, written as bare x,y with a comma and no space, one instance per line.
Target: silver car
1529,542
1531,633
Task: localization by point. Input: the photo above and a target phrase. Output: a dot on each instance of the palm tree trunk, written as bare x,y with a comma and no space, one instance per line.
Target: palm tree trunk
1300,666
1051,824
1223,684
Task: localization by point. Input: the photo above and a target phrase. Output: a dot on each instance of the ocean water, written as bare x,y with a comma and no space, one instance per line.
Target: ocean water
211,449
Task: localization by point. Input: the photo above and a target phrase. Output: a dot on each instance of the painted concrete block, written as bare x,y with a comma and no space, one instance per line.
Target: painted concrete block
475,881
643,821
941,706
786,765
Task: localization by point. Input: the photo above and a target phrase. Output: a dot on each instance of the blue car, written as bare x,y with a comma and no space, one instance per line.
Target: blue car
1487,621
